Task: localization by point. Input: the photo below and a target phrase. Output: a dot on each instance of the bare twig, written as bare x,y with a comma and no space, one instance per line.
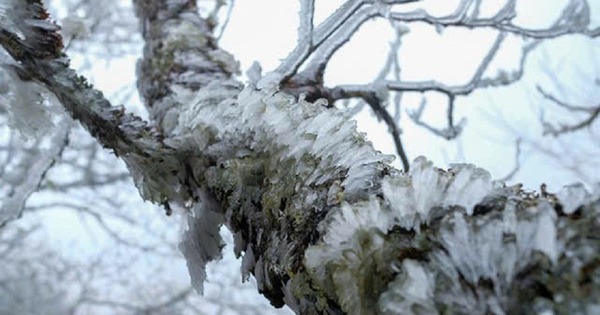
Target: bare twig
517,166
549,129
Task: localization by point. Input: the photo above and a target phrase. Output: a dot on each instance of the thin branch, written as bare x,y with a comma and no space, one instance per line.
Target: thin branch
569,107
450,132
549,129
328,36
375,103
305,41
226,22
517,166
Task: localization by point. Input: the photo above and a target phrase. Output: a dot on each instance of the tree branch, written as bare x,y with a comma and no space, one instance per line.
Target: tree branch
593,113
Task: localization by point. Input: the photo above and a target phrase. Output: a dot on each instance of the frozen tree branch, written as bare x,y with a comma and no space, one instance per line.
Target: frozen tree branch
180,54
450,132
349,18
227,18
575,19
327,38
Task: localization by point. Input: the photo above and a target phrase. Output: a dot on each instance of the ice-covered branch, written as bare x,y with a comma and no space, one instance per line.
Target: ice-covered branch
450,132
335,33
305,41
575,19
517,167
456,242
320,44
180,56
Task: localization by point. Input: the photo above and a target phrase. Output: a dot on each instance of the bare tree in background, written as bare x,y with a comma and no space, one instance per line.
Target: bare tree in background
323,222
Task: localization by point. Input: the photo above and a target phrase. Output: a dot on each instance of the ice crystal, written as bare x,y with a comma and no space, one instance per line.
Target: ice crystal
30,112
201,242
572,197
410,293
252,133
413,196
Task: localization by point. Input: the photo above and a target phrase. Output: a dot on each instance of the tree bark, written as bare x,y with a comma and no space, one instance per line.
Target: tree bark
324,224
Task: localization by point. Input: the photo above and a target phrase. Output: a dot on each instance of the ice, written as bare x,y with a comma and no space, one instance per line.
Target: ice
30,112
201,242
572,197
411,292
545,238
412,196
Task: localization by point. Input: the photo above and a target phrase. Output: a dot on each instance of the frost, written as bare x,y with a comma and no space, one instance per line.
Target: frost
345,223
225,60
410,293
413,196
468,187
11,10
572,197
248,263
254,73
201,242
353,234
270,82
493,249
545,232
486,252
320,141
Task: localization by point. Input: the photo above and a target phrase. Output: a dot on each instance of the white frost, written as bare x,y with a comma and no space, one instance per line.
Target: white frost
410,293
201,242
412,197
29,111
573,196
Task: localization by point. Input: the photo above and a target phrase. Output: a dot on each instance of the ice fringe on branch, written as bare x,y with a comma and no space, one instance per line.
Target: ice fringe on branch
464,242
427,242
286,154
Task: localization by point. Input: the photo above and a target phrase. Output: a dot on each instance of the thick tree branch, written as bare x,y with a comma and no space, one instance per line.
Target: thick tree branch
180,54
